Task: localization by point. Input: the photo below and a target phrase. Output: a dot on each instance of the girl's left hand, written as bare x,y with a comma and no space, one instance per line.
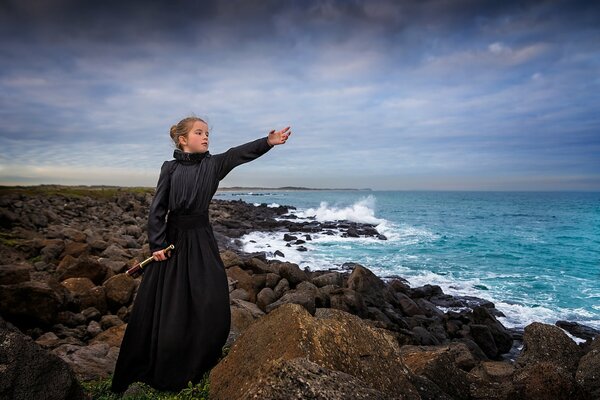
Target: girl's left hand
279,137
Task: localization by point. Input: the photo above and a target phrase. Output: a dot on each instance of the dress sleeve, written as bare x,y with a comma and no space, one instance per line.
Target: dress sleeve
239,155
157,226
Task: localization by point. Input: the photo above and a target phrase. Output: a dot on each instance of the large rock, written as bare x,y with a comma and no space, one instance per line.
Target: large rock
545,380
588,371
548,343
330,278
300,378
373,290
292,273
30,302
335,340
119,290
501,336
440,365
30,372
243,314
113,336
14,273
348,300
305,298
244,281
86,267
86,293
93,362
230,259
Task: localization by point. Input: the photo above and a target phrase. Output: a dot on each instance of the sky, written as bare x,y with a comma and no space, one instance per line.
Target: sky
387,95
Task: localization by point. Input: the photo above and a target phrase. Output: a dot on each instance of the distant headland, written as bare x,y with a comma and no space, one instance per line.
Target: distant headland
142,188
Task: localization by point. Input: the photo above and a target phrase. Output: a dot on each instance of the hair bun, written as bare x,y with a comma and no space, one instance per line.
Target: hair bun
173,131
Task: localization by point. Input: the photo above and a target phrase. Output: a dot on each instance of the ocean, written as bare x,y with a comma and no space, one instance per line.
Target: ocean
536,255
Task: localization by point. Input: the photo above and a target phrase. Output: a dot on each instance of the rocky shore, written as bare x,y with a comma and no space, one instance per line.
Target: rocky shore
296,333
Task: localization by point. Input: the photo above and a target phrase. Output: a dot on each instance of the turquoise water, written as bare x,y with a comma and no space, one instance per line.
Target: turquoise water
536,255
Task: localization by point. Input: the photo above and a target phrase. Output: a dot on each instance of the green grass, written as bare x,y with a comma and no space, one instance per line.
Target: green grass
96,192
100,390
9,239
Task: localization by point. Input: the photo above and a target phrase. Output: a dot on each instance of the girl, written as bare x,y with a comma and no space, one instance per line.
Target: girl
180,318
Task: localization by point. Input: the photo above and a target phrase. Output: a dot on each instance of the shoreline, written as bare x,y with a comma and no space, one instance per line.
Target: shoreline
68,250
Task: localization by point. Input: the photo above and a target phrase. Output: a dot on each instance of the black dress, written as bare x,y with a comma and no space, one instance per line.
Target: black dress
180,318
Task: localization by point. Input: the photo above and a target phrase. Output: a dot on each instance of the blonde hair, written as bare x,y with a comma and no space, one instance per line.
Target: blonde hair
182,128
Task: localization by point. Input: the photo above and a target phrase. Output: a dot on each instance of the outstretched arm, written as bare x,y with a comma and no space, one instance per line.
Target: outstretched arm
248,151
158,210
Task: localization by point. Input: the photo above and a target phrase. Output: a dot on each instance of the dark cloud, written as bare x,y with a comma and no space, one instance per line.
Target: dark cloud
420,86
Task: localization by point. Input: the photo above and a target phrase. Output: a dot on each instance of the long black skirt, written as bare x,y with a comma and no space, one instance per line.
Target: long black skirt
180,318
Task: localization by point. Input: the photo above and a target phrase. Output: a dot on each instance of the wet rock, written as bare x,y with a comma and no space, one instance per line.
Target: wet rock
579,330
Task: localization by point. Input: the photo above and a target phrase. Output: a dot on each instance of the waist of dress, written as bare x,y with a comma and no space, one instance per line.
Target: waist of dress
188,221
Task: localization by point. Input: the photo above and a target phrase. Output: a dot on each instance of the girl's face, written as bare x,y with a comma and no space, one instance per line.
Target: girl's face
196,141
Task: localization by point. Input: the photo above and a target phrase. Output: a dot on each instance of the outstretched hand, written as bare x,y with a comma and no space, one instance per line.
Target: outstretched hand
279,137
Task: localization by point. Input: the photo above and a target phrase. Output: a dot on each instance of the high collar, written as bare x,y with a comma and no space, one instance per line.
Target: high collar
185,156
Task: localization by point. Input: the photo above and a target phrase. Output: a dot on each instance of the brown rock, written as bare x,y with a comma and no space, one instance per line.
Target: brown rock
86,293
544,342
331,278
588,371
14,273
258,266
31,302
340,342
94,362
119,290
305,298
230,258
271,280
85,267
437,363
292,273
112,336
545,380
300,378
348,300
243,314
373,290
244,281
265,297
75,249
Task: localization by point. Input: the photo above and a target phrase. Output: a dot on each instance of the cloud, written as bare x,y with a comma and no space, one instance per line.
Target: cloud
376,92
